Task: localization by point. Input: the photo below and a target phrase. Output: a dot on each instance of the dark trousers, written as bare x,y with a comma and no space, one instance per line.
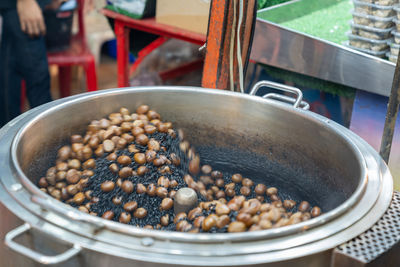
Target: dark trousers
21,57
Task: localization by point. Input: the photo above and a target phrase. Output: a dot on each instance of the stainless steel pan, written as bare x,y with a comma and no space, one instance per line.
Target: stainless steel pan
276,142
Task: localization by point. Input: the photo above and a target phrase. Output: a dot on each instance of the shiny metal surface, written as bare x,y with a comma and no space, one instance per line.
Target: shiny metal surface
304,105
36,256
297,102
129,246
287,49
283,87
28,146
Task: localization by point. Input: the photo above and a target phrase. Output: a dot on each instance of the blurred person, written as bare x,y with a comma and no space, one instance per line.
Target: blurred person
23,55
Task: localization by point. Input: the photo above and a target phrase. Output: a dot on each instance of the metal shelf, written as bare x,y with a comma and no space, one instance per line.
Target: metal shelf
287,49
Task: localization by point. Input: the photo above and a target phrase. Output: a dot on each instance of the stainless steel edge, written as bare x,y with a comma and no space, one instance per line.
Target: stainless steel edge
287,49
311,248
104,241
303,104
72,214
279,86
176,236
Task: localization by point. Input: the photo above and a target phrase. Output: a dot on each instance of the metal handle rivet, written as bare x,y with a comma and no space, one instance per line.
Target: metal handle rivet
16,187
147,241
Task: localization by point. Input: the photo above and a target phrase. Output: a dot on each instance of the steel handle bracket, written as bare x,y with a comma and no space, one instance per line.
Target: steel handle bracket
297,102
303,104
34,255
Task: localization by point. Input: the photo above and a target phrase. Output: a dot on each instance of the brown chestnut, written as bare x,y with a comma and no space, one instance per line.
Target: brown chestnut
166,204
260,189
125,172
130,206
107,186
124,160
127,186
108,215
142,139
124,217
140,189
237,178
140,213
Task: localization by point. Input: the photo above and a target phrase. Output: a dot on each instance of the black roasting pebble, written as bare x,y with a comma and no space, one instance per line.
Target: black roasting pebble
151,204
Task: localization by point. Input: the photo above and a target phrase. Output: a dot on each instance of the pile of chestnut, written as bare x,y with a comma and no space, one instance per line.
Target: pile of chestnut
129,157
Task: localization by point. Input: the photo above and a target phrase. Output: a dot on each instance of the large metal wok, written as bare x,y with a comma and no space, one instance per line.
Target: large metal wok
305,155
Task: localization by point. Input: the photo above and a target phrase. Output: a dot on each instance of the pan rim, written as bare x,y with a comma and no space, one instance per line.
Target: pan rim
200,237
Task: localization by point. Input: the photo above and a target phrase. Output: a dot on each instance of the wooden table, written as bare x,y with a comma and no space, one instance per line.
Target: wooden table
123,24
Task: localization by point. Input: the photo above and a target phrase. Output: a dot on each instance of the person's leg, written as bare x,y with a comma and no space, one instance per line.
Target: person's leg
31,63
36,72
10,81
3,110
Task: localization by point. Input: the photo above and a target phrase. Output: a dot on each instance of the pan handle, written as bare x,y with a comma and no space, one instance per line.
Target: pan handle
297,102
36,256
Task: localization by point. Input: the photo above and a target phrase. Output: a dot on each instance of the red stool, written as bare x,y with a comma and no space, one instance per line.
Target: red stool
77,54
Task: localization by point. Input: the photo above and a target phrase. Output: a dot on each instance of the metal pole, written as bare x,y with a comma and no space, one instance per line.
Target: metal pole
219,37
391,114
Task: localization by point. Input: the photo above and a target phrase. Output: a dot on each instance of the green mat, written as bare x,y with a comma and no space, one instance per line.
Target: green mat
325,19
267,3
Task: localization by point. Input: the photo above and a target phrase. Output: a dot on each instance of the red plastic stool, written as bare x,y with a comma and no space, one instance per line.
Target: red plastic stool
77,54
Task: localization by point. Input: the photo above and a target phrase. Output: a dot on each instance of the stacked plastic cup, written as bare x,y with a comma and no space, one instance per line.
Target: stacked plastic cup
395,43
372,26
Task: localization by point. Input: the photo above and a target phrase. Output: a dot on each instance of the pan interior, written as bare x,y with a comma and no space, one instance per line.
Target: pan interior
302,156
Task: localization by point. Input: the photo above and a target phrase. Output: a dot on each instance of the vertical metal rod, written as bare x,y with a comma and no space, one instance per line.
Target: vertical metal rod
391,114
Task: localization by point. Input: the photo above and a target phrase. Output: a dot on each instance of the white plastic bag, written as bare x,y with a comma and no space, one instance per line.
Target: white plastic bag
132,6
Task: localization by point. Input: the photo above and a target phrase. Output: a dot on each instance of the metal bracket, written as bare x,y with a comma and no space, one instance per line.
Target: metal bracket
303,104
297,102
36,256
